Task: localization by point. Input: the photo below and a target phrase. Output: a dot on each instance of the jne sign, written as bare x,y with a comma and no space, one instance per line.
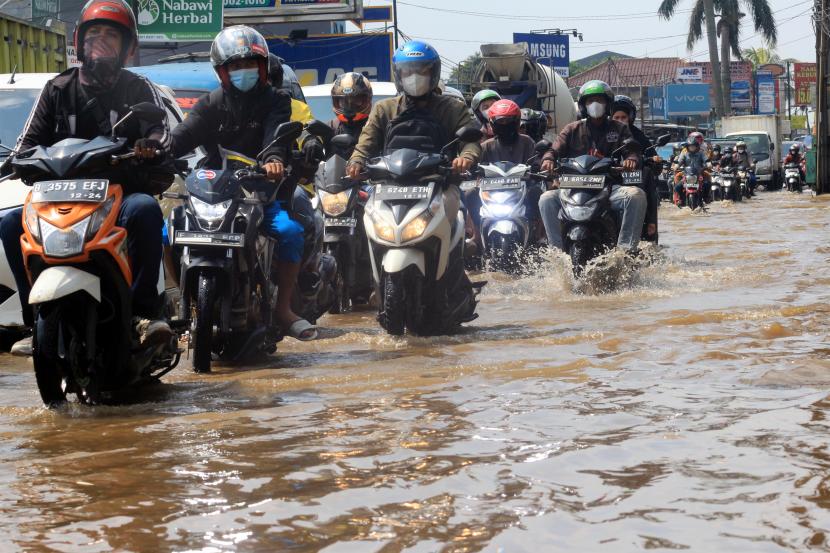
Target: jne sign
689,73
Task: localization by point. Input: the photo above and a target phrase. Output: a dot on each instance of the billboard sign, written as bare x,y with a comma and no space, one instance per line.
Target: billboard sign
292,11
741,95
320,59
805,83
765,89
657,101
44,9
687,99
178,20
550,50
690,73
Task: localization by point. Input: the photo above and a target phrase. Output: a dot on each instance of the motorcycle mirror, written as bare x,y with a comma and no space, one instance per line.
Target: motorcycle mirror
287,132
318,128
343,141
149,112
663,140
469,134
542,146
628,142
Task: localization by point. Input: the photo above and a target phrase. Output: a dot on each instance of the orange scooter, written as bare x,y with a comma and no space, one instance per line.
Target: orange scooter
76,257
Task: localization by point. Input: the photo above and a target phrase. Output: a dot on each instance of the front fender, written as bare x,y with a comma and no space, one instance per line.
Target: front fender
58,282
578,232
398,259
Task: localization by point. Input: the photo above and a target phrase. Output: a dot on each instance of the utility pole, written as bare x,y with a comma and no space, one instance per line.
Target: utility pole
823,146
789,99
395,20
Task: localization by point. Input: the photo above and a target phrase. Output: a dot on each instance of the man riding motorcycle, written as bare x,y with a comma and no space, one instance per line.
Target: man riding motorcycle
504,117
351,98
242,116
85,103
598,135
480,103
691,157
794,156
624,111
743,160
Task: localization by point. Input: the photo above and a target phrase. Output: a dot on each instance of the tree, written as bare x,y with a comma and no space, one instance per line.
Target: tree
761,56
462,74
703,11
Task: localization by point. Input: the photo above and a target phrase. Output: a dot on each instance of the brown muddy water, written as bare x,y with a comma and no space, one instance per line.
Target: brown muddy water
687,410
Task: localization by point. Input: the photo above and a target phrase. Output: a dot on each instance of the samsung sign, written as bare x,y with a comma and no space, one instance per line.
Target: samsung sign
550,50
687,99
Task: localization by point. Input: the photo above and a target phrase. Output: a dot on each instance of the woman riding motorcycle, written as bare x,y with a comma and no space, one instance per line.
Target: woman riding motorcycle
624,111
242,116
84,103
480,103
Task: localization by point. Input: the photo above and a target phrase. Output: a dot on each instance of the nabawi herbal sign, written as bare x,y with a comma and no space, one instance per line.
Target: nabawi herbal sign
178,20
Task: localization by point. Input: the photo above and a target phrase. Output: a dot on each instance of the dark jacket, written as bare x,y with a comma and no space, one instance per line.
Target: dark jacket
583,138
494,150
649,175
67,109
643,140
743,160
340,127
241,122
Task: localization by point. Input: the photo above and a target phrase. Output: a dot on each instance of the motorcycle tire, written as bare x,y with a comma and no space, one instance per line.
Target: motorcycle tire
503,254
690,201
45,357
203,327
392,315
342,299
736,195
580,255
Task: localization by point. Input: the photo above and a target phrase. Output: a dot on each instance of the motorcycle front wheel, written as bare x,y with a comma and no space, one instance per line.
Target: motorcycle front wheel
503,250
580,254
203,323
48,373
342,300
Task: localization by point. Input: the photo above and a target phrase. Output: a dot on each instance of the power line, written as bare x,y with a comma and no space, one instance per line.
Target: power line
490,15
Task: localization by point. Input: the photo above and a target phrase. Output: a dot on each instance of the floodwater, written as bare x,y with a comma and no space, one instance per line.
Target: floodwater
687,410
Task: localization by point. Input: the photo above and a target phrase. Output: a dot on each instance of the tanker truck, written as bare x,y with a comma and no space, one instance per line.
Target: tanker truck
515,75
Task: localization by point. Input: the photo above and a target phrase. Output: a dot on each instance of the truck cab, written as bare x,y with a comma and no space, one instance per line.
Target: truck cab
762,149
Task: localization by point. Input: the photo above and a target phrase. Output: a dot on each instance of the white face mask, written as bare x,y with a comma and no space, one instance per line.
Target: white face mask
415,84
596,110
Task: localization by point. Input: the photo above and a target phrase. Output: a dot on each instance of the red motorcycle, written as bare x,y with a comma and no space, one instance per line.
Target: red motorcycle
692,182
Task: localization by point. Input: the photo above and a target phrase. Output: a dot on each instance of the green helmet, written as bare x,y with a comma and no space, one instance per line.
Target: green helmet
482,95
595,88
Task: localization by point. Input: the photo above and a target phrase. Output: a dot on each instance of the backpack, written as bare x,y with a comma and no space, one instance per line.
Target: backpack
416,129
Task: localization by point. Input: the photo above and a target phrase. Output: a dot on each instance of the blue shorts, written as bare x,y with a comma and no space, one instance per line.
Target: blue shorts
288,232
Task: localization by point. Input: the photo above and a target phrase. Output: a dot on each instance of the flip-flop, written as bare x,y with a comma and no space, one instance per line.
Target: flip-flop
300,329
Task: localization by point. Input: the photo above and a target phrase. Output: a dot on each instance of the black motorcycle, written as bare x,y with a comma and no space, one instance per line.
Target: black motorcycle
227,295
342,201
589,226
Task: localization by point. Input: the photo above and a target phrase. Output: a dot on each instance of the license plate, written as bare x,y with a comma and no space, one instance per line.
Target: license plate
582,181
500,183
220,239
76,190
690,186
632,178
349,222
388,192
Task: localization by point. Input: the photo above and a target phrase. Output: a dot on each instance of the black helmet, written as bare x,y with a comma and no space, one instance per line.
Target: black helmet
535,123
716,148
626,104
275,71
728,151
795,149
238,42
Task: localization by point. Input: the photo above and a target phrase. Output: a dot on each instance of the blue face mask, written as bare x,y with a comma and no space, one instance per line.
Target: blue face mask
244,79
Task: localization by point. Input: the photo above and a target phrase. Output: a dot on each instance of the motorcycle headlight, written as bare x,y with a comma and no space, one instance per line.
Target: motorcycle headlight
64,242
383,229
500,196
580,212
31,220
210,216
497,210
335,205
97,219
416,227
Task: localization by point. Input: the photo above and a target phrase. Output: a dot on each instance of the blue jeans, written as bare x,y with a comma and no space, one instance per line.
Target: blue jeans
141,215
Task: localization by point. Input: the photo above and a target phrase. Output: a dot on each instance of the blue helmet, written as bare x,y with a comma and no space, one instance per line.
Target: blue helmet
417,68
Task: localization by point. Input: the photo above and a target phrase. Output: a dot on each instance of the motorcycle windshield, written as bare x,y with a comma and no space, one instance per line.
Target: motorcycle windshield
211,185
330,175
405,163
68,156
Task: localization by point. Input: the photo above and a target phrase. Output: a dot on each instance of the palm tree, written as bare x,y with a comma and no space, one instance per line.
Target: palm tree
702,11
761,56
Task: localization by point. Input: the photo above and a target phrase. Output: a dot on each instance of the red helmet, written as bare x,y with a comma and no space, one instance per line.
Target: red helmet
503,112
112,12
698,137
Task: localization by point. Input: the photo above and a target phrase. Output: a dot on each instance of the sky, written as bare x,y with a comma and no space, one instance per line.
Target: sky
608,25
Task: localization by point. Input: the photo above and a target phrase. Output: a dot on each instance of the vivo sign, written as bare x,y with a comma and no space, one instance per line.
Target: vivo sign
687,99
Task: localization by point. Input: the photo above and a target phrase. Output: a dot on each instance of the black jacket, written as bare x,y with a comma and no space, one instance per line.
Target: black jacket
241,122
649,174
67,109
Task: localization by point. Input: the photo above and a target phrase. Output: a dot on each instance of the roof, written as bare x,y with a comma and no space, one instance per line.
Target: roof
181,76
25,80
379,88
599,58
631,72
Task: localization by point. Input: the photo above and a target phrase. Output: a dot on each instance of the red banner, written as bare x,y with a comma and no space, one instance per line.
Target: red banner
805,83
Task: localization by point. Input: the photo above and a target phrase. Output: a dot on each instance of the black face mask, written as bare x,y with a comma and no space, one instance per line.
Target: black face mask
101,65
506,133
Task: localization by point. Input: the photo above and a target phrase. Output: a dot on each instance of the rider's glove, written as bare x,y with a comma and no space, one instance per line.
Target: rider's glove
312,150
146,148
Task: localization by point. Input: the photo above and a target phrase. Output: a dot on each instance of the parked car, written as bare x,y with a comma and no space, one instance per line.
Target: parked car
318,97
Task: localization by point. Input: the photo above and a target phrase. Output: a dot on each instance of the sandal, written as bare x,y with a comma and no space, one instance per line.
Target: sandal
302,330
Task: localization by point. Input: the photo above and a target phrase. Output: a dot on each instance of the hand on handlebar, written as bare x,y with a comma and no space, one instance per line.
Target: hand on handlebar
274,170
354,170
461,165
147,148
547,166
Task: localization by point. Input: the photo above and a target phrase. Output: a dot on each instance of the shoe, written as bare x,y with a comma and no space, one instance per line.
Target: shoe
22,348
151,333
